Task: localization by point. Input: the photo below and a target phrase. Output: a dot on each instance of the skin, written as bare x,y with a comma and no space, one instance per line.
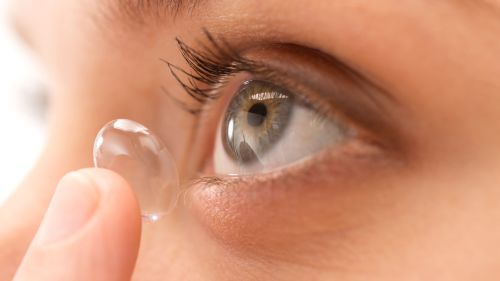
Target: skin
425,208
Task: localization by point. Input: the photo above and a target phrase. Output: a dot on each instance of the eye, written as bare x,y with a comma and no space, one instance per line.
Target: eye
266,126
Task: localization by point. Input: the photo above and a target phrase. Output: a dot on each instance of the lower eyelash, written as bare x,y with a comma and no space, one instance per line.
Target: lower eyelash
220,186
347,161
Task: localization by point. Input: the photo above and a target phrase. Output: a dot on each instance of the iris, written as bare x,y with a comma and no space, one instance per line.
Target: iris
267,126
255,120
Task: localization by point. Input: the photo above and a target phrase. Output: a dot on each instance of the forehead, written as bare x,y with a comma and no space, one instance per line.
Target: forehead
147,11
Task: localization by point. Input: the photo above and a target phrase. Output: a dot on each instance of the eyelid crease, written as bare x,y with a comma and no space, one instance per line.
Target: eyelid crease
212,66
347,93
332,87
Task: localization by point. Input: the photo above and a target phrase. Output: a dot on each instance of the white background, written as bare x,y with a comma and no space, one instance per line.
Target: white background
21,130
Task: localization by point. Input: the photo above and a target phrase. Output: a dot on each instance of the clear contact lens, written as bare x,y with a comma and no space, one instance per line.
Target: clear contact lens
137,154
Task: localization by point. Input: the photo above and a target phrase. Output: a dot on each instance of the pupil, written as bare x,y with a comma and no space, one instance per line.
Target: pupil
257,114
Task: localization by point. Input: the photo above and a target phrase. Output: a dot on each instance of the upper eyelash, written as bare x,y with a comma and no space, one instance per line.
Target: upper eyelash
209,67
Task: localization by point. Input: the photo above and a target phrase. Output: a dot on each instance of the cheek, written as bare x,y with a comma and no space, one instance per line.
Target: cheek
311,220
399,221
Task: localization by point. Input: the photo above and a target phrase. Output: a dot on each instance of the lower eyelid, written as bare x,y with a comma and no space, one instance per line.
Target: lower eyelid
351,159
248,210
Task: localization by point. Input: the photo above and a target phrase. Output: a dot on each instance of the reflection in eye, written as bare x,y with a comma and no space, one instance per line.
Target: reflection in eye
266,127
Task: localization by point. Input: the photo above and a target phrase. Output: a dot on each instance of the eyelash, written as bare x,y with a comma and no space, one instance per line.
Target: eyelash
213,65
210,67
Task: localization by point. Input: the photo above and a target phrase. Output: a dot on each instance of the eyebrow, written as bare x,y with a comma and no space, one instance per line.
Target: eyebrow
144,11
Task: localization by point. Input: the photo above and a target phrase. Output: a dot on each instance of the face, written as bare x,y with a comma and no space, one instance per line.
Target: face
319,140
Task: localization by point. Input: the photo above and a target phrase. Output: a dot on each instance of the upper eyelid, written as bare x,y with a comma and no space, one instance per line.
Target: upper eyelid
213,66
353,95
218,60
356,98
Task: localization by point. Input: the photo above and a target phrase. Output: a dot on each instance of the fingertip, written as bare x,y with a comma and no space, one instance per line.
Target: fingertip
102,242
106,180
118,206
114,189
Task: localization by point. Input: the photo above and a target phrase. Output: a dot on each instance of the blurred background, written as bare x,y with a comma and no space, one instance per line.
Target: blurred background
23,102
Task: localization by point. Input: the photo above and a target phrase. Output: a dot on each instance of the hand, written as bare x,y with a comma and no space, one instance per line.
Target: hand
91,231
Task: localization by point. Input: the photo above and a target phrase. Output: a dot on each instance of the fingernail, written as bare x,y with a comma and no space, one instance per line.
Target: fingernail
72,206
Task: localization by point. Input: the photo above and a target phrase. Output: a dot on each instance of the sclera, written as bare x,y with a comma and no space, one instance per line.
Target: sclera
136,153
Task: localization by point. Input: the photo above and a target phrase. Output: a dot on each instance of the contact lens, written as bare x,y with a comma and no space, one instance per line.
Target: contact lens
136,153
